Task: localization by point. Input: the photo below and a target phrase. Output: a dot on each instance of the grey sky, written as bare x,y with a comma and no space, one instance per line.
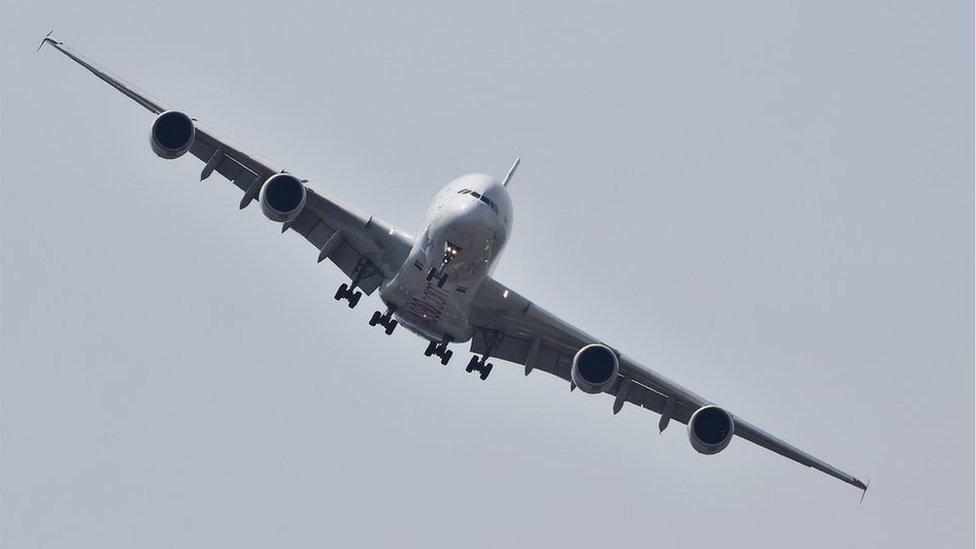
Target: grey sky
769,202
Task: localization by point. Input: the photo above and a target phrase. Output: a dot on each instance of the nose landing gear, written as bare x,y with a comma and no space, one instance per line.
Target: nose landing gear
385,320
440,276
450,253
440,350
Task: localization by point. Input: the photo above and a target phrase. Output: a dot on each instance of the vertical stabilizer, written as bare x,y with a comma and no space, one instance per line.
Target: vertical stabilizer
511,172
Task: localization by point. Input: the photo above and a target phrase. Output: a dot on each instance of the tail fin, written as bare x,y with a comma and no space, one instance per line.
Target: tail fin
511,171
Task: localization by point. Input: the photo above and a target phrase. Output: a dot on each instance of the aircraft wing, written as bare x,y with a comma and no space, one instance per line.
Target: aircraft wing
367,249
513,328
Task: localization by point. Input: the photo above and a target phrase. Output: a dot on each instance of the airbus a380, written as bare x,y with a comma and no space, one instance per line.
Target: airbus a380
439,284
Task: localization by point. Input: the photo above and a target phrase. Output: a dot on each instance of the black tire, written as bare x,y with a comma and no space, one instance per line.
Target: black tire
354,299
341,292
390,326
430,349
471,364
375,319
446,357
485,371
441,281
430,275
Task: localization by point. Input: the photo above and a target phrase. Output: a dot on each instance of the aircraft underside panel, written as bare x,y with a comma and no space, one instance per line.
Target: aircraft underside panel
309,223
345,256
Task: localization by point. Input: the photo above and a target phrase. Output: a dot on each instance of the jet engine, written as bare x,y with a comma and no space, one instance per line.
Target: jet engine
282,197
710,429
172,134
595,368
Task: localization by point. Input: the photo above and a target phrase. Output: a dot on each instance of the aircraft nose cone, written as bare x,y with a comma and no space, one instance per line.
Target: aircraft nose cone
471,226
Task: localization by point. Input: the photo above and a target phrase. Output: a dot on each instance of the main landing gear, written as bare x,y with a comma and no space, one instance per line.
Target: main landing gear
363,270
492,339
385,320
348,292
440,349
479,365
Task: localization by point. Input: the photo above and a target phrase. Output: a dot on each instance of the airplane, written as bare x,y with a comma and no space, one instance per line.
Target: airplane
439,285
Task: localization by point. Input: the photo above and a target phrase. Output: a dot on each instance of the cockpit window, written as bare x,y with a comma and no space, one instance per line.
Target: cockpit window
481,197
491,204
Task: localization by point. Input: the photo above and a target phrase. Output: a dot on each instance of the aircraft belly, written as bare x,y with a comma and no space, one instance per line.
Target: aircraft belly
425,309
454,253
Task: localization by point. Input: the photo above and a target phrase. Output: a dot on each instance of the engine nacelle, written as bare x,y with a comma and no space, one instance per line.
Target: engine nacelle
710,429
171,134
282,197
595,368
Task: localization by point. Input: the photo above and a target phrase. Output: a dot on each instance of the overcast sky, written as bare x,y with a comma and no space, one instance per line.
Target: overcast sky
769,202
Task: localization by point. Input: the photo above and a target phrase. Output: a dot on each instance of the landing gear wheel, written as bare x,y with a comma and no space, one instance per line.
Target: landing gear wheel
390,326
441,281
430,275
430,349
343,289
472,365
375,319
446,357
354,299
485,370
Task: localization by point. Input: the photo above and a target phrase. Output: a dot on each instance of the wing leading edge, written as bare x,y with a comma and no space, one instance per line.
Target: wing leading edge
540,340
364,247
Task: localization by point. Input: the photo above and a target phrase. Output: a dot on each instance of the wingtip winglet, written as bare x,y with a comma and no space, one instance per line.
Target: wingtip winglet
47,39
863,487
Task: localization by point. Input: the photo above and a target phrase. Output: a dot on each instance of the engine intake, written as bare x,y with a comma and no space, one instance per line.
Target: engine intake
282,197
595,367
710,429
172,134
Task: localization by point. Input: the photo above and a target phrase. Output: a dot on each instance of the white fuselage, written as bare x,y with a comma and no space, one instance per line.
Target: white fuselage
463,234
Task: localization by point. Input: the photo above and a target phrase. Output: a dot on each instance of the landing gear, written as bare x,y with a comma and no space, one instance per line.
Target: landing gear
440,350
492,339
348,293
440,276
385,320
363,270
480,366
